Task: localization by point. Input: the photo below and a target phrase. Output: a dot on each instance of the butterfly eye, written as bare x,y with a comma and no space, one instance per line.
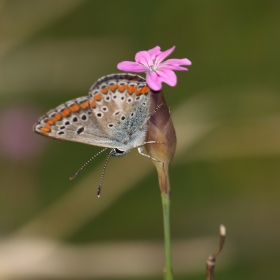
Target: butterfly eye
119,151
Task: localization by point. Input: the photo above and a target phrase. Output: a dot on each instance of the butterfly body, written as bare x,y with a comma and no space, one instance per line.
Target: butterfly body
115,115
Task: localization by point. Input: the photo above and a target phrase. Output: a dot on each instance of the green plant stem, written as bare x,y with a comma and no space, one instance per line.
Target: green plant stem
165,198
166,223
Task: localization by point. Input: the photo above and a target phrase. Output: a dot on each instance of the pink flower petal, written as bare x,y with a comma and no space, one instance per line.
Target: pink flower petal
144,58
172,67
131,66
153,81
157,70
160,57
176,61
168,76
154,52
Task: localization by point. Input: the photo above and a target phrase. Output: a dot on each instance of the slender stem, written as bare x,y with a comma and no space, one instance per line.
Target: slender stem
211,262
161,130
165,198
166,223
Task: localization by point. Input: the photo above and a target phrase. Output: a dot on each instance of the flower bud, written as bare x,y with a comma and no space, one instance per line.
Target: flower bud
161,129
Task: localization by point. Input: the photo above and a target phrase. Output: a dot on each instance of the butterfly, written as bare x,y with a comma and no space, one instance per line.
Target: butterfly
114,115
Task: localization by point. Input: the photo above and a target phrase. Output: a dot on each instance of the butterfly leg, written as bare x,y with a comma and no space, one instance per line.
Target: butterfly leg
140,150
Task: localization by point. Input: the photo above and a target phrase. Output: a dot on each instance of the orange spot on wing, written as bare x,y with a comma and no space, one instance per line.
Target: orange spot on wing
97,97
84,105
92,104
45,129
139,91
49,122
122,88
146,90
57,117
65,112
105,90
75,107
113,87
143,90
131,90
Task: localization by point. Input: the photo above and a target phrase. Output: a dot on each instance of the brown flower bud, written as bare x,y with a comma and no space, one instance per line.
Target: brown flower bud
161,129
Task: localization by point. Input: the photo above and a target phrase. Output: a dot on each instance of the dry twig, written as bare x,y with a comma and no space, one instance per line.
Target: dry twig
211,262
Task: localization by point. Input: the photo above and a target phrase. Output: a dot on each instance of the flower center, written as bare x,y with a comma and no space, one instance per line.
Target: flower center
151,68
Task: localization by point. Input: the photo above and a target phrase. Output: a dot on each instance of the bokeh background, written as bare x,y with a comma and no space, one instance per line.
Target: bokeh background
226,111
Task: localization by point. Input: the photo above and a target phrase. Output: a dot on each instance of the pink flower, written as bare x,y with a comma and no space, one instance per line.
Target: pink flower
157,71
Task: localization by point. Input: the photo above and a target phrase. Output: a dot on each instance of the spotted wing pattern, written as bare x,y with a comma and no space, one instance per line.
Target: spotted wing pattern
114,115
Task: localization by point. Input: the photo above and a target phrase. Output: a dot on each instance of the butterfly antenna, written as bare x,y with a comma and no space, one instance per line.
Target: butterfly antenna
76,173
102,175
146,120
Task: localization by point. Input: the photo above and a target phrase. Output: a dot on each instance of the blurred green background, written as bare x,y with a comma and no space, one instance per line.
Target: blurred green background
226,111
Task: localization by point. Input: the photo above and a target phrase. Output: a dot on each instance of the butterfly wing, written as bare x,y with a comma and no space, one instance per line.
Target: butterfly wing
114,115
122,102
73,121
